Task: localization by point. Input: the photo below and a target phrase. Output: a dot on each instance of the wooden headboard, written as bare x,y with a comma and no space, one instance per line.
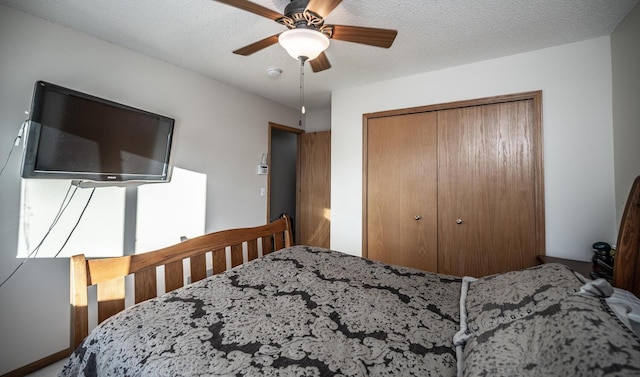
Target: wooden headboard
626,272
108,274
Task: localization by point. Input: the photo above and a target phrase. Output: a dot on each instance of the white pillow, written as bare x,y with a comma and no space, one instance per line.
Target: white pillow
627,307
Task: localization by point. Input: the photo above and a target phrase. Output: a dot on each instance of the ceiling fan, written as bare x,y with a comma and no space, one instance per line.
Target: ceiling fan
305,20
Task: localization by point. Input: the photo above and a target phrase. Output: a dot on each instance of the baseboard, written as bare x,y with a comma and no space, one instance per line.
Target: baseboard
39,364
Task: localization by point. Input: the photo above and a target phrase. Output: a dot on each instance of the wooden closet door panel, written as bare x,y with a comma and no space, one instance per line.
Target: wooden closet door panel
314,185
486,201
401,173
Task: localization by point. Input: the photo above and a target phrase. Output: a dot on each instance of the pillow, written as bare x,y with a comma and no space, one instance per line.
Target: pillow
624,304
577,337
502,298
536,322
627,307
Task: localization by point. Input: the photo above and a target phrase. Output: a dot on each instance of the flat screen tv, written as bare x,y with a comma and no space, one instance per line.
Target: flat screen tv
73,135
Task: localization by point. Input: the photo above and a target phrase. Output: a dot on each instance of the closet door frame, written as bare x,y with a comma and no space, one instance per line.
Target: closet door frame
538,162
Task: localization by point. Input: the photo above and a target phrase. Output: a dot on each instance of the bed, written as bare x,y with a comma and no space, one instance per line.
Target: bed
246,302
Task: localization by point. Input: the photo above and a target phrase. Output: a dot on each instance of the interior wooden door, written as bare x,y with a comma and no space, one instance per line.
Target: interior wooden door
486,189
314,189
401,190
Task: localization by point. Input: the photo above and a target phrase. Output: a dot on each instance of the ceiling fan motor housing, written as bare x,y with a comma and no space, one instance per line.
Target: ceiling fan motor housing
295,6
297,16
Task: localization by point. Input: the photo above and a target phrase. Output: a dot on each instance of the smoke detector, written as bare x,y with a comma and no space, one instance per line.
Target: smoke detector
274,73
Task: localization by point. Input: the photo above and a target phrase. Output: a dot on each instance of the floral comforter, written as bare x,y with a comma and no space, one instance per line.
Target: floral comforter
301,311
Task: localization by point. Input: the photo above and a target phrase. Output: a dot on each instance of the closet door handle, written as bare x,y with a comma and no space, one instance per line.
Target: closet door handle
418,217
459,221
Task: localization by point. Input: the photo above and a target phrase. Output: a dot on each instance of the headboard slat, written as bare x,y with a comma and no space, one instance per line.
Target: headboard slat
173,276
236,255
110,298
252,249
198,267
145,285
279,241
219,261
267,245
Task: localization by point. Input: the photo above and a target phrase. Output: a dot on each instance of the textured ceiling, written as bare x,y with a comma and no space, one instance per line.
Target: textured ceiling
199,35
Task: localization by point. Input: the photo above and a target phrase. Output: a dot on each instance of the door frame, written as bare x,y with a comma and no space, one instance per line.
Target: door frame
538,163
297,132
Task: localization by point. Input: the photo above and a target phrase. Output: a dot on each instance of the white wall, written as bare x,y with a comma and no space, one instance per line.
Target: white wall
319,120
222,132
625,57
578,141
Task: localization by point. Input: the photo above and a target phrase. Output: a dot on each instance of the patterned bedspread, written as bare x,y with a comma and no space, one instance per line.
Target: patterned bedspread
300,311
539,322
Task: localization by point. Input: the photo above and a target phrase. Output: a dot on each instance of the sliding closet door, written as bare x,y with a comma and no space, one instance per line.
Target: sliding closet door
401,190
487,187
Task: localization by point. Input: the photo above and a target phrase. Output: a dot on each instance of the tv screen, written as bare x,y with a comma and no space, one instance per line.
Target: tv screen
73,135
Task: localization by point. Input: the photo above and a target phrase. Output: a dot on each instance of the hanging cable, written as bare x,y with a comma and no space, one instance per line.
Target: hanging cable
16,142
34,253
77,222
63,207
7,160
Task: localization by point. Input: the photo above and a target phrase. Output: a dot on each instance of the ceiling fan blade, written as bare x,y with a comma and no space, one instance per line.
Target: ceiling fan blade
365,35
252,7
322,7
257,46
320,63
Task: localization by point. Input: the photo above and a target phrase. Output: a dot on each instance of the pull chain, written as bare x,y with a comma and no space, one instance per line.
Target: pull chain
302,109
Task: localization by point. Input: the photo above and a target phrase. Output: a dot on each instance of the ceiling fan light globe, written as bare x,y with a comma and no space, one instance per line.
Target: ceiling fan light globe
303,43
